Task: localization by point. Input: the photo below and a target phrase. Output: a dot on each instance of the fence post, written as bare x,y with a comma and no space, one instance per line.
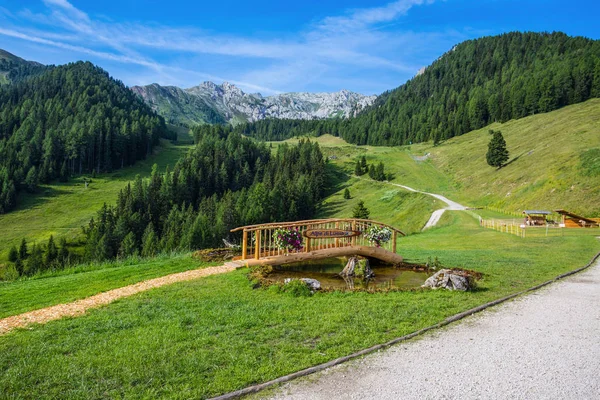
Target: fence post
244,244
257,246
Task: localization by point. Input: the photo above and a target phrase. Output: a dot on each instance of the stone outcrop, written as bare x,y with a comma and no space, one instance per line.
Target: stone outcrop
312,284
449,279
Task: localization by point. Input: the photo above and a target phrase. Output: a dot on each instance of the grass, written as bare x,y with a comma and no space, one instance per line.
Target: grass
86,280
202,338
61,209
553,162
404,210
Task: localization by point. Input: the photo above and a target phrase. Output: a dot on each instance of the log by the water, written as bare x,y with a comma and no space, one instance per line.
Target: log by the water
349,268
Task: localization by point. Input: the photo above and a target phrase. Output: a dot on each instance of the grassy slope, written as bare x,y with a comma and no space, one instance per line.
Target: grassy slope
61,209
405,210
213,335
544,171
83,281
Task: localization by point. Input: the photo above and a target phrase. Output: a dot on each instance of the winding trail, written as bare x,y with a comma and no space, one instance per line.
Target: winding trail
540,346
43,315
437,214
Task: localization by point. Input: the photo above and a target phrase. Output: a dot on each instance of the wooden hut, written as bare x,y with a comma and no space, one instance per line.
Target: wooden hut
570,220
536,217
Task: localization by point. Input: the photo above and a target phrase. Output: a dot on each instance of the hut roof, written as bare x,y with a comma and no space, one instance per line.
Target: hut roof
541,212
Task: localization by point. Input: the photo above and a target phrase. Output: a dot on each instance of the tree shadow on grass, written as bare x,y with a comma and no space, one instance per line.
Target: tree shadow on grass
335,179
44,194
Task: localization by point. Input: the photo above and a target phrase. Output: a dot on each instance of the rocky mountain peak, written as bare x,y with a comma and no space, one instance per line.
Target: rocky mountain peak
234,105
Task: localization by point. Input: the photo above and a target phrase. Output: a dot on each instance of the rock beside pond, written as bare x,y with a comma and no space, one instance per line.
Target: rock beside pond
312,284
448,279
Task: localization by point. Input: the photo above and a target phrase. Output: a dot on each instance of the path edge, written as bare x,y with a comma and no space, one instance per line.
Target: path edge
457,317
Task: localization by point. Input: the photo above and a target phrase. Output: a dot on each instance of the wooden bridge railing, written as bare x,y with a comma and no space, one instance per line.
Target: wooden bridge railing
258,240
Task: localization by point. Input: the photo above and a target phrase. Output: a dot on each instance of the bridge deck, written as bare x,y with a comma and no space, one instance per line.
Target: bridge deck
317,239
365,251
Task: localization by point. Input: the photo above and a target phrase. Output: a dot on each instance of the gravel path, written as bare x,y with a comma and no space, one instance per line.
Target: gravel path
437,214
79,307
545,345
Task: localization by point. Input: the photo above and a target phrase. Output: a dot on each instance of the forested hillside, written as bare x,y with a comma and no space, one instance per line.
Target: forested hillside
224,182
14,69
71,119
492,79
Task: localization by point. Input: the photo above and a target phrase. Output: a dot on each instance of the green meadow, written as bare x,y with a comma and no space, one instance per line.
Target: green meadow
206,337
61,209
217,334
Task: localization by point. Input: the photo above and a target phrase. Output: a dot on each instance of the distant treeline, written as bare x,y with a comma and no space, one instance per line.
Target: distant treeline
224,182
476,83
71,119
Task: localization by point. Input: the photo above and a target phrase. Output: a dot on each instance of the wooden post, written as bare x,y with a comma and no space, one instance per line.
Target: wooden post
353,228
244,244
394,242
307,247
337,241
257,246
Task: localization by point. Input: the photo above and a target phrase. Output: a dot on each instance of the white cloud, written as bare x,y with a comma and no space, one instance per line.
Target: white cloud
330,47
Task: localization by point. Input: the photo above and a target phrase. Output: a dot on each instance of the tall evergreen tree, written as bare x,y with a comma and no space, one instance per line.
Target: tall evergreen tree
497,153
360,211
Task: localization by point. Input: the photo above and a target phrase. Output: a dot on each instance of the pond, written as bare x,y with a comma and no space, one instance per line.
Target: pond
327,272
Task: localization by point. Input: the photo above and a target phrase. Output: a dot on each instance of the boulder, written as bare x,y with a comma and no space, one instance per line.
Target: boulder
312,284
448,279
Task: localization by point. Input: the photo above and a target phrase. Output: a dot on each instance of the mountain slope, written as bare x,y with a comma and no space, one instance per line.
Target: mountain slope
69,120
480,81
211,103
554,162
13,69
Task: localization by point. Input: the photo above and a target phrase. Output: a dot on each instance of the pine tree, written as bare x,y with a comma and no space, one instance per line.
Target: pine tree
149,242
63,253
19,267
358,171
360,211
497,153
363,164
23,250
128,246
13,254
347,194
51,252
35,262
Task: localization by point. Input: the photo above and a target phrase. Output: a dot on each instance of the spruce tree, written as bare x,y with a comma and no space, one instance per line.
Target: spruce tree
19,267
51,252
23,249
360,211
63,253
35,262
358,171
149,242
363,164
497,153
13,254
128,246
346,194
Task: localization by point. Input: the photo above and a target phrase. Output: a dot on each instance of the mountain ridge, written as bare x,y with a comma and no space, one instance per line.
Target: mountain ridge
209,102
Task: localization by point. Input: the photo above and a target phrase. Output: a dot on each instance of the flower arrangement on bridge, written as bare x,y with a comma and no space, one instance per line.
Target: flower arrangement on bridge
378,235
288,239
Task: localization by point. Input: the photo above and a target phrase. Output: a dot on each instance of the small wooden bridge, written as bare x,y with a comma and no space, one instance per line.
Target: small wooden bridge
321,238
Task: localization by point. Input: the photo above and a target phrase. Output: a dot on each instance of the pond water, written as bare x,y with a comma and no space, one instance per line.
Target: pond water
327,272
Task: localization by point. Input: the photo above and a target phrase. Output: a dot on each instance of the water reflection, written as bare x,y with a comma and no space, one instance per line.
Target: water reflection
327,272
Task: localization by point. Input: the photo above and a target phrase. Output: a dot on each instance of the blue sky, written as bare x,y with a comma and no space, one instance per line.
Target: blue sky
272,46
